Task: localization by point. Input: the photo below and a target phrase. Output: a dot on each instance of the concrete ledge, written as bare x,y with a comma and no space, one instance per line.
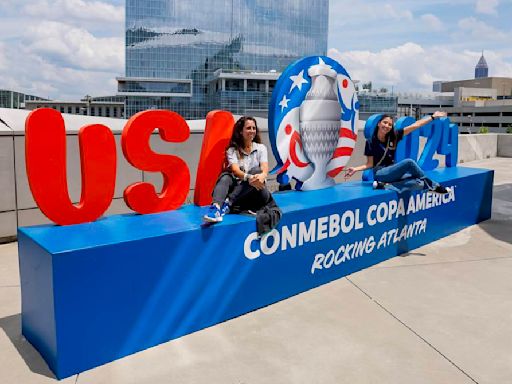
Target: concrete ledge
505,145
477,147
95,292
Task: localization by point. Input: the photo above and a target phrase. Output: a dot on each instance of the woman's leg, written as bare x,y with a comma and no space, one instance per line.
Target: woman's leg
402,172
249,198
397,171
407,185
224,184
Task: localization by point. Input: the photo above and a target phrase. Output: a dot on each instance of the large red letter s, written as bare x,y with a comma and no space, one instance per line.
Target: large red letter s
142,197
45,158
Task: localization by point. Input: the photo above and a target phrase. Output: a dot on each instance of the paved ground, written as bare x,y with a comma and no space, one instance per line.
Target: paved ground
441,314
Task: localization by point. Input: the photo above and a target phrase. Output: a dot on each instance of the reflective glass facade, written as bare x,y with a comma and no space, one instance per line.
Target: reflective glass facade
372,104
178,40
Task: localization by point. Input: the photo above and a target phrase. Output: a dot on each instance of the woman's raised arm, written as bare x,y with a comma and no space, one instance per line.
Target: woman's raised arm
424,121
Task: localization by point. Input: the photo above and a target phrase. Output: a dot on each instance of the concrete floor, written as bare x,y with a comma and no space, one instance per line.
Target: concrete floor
440,314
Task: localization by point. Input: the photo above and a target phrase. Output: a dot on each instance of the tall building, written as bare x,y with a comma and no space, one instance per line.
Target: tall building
197,55
481,69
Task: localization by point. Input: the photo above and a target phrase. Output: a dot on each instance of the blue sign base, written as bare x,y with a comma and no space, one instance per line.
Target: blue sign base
95,292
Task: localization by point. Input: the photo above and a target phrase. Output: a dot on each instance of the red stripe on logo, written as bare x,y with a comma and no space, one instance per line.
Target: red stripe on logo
345,132
334,172
342,151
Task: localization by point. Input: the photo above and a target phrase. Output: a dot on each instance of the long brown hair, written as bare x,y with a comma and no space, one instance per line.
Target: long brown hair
237,140
391,135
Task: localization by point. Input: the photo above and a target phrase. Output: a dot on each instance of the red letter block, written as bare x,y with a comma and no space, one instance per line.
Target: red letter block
217,133
45,158
142,197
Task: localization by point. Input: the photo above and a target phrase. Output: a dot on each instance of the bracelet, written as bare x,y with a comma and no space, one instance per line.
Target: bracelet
246,176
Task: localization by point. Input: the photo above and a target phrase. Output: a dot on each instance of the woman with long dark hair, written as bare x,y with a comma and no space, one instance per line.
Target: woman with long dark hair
380,155
242,183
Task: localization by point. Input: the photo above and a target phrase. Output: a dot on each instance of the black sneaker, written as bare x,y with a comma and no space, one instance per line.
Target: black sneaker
441,190
379,185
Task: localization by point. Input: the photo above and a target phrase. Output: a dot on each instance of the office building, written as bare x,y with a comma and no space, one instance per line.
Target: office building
104,106
15,100
484,103
195,56
481,68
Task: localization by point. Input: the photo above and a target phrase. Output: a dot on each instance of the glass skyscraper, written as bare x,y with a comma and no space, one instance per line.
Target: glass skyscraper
197,55
481,68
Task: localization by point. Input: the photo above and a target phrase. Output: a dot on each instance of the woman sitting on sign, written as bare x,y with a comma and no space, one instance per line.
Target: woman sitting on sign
380,155
241,187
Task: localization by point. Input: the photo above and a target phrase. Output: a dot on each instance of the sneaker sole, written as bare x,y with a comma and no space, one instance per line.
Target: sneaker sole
212,220
439,193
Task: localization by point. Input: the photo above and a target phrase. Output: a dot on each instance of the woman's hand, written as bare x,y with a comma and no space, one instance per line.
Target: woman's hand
258,181
438,114
349,172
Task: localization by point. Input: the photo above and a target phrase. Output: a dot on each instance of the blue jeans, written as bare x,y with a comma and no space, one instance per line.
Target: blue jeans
405,175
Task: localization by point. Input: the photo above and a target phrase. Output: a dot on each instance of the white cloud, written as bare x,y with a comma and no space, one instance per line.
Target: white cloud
365,11
33,74
3,58
411,68
75,47
62,49
487,6
75,9
477,29
393,12
432,21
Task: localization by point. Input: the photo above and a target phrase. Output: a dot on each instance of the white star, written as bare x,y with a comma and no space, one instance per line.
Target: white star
284,103
322,63
298,80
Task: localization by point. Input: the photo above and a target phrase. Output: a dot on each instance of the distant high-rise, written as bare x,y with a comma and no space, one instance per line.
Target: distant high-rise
192,56
481,69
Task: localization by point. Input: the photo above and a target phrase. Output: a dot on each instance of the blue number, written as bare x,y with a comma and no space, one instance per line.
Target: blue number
433,133
449,145
408,147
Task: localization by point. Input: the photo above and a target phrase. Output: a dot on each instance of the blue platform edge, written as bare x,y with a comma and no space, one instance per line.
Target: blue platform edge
95,292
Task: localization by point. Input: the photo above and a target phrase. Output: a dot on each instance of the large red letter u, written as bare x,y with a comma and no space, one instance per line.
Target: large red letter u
45,157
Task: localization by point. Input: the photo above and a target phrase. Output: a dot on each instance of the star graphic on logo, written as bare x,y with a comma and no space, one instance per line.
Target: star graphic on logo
298,80
321,64
284,103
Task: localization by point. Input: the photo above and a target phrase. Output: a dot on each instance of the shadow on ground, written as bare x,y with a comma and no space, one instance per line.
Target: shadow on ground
12,328
500,224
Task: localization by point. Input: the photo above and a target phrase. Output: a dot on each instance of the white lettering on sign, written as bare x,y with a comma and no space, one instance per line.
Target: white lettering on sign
335,225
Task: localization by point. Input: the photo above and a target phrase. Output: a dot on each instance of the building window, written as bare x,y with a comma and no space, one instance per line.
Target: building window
252,85
234,85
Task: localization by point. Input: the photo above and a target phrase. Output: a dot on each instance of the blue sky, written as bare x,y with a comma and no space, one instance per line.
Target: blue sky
64,49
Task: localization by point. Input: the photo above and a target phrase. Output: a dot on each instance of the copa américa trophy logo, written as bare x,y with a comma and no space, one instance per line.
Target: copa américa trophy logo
312,122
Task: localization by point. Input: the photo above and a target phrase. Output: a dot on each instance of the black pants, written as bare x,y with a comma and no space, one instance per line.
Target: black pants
242,195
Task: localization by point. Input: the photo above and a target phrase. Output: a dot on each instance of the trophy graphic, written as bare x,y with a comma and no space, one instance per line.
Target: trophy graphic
320,123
